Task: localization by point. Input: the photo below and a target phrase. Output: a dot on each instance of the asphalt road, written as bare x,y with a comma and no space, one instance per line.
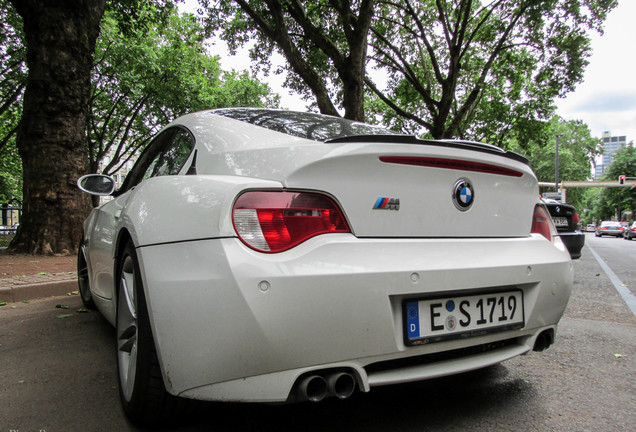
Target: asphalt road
58,373
619,254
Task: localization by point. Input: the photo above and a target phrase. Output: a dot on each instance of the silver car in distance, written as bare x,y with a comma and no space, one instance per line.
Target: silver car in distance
273,256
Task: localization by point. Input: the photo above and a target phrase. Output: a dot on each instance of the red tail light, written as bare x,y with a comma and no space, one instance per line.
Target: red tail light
575,218
277,221
541,222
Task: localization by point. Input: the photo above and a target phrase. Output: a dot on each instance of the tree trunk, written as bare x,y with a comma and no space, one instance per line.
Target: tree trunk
60,37
353,94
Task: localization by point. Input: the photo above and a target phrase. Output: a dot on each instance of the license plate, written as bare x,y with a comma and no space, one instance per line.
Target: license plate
434,320
560,221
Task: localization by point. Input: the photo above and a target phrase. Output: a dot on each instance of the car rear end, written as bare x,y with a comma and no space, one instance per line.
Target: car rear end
567,223
610,228
373,262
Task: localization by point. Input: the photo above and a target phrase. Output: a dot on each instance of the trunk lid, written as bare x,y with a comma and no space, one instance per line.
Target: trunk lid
416,190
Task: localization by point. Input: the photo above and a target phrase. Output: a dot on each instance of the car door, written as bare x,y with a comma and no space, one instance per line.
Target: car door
164,155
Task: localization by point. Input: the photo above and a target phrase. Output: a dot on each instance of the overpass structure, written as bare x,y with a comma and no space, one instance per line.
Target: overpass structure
564,185
607,183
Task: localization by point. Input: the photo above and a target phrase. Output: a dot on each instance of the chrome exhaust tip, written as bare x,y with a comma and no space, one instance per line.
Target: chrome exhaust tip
313,388
341,385
544,340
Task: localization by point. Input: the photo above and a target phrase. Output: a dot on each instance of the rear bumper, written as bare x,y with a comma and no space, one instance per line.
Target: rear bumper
574,242
234,324
609,233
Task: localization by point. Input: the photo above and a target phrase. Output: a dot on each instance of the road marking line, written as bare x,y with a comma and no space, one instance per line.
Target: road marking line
627,295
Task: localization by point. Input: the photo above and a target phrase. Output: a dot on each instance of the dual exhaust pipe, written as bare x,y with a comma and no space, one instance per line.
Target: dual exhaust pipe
315,388
342,385
544,340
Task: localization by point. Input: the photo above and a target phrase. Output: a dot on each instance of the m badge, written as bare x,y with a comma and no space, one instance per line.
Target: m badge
385,203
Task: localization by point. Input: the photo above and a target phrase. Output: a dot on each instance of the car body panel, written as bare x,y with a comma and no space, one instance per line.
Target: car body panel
160,210
232,323
569,231
424,193
288,316
574,242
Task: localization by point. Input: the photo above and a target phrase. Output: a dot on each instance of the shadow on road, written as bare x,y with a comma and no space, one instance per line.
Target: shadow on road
433,404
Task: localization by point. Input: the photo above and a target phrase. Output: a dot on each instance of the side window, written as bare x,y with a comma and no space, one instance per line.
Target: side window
165,155
174,155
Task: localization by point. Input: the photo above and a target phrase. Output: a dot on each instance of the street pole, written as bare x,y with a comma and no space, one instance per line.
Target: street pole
556,165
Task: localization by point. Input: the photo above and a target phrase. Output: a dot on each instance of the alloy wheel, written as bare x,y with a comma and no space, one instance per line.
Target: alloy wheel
127,331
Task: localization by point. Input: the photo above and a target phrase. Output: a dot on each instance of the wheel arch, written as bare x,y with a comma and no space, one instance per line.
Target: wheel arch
123,238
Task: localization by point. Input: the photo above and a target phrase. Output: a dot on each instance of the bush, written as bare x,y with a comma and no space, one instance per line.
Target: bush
6,239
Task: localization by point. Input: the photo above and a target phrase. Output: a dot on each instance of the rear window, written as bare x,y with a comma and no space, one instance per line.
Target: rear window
312,126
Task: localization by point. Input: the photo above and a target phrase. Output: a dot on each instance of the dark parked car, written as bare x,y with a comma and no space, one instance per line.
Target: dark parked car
566,220
611,228
630,232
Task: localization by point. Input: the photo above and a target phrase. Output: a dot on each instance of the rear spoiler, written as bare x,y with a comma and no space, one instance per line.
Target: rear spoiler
410,139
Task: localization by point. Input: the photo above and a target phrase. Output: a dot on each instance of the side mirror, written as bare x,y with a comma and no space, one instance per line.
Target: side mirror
97,184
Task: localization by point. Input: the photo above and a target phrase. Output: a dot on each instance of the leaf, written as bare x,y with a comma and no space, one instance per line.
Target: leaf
3,303
619,355
65,316
83,310
43,273
61,306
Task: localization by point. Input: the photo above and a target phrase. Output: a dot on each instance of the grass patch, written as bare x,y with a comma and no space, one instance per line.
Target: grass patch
6,239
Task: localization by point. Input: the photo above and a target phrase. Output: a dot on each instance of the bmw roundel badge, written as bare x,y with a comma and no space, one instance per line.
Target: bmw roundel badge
463,194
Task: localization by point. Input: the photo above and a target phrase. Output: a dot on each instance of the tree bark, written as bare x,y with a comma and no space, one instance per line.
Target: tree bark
60,38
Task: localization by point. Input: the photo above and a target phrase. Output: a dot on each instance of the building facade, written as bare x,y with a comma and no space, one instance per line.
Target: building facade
611,144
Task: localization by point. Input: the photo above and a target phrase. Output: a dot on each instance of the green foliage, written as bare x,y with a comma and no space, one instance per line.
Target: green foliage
135,16
146,77
12,70
12,83
151,65
461,68
577,152
323,41
612,202
483,71
10,173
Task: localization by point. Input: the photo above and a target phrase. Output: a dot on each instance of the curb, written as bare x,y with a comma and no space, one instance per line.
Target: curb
30,292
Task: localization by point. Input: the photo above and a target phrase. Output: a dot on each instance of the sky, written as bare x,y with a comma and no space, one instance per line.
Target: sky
606,99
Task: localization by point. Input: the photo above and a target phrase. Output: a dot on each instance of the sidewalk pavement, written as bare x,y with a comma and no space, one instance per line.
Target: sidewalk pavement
23,288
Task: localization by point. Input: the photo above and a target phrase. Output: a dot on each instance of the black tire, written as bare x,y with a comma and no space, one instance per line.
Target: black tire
143,395
82,278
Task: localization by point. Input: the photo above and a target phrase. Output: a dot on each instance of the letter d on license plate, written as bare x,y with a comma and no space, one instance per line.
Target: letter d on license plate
434,320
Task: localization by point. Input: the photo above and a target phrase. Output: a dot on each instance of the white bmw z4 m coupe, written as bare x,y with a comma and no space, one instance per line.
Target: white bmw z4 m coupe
263,255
